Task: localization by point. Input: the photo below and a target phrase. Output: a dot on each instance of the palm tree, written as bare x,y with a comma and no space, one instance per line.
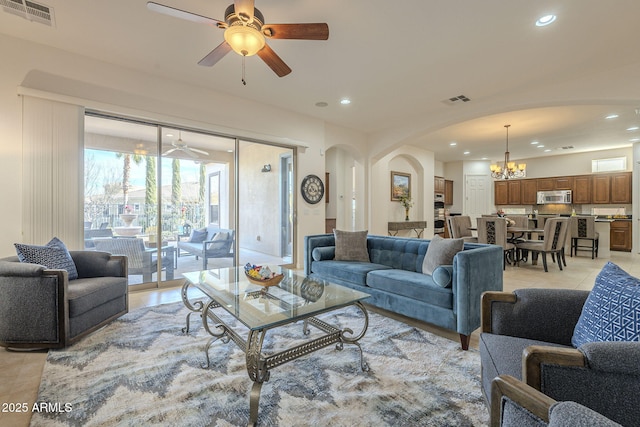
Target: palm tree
126,172
150,189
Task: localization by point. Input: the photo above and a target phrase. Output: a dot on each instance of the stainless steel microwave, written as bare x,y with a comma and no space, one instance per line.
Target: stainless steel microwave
551,197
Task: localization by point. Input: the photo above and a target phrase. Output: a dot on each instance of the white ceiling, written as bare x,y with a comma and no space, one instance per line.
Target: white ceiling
398,61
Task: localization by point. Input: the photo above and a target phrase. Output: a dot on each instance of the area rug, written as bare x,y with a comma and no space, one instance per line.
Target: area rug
142,370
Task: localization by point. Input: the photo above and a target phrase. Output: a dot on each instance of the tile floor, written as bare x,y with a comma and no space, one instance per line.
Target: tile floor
20,372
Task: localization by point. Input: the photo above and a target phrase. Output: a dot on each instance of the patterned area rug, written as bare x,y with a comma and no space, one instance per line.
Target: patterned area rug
142,370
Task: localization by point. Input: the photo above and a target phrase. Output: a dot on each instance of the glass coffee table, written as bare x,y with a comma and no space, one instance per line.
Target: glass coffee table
259,309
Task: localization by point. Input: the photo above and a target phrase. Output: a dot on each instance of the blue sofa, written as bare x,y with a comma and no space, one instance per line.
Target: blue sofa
394,279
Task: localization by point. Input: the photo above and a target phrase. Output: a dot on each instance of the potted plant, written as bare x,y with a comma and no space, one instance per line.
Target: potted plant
406,202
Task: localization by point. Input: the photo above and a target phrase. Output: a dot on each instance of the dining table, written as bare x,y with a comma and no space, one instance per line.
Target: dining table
516,234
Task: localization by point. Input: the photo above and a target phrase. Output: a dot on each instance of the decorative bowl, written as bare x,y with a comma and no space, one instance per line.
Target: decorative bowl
265,282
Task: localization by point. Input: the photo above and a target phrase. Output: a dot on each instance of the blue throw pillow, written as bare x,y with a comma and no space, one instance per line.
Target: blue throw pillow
198,236
612,309
53,255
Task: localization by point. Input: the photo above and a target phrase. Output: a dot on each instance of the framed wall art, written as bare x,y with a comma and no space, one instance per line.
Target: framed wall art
400,185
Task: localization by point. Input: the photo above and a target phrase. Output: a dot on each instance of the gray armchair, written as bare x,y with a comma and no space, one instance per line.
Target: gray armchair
42,308
520,405
527,335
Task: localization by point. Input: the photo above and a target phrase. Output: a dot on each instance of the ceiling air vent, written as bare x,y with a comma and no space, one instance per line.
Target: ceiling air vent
29,10
568,147
460,99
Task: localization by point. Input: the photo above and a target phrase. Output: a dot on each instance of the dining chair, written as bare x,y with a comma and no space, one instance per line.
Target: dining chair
461,227
493,231
584,228
554,238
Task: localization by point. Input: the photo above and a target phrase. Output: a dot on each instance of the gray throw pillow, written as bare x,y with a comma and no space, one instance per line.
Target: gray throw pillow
351,245
440,252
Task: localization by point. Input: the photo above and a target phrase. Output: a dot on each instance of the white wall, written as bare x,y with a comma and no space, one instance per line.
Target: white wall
572,164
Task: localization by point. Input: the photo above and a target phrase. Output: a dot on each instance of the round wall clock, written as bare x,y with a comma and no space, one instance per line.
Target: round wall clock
312,189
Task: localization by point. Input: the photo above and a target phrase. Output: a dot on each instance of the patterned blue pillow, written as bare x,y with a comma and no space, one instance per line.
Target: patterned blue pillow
612,309
53,255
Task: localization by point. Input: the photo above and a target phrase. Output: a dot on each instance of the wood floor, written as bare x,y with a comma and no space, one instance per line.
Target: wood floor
20,372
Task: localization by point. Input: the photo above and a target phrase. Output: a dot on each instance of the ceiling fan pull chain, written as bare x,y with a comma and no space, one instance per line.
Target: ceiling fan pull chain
244,82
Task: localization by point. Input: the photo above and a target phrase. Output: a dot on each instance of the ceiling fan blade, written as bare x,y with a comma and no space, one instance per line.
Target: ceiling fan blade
273,61
197,150
215,55
190,153
182,14
244,9
169,151
296,31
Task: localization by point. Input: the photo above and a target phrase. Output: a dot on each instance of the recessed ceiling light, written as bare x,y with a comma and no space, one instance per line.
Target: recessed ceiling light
484,158
229,151
633,128
466,152
534,142
545,20
540,146
169,135
345,101
453,144
321,104
547,150
634,140
612,116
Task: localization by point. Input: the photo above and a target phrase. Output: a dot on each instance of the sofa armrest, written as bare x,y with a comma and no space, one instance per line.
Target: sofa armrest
616,357
521,395
33,308
314,241
475,271
548,315
535,356
99,264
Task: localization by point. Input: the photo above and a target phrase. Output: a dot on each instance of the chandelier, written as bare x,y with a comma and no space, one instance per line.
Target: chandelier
509,170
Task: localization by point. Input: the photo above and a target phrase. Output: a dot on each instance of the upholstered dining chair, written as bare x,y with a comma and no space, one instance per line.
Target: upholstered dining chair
460,228
555,236
584,228
493,231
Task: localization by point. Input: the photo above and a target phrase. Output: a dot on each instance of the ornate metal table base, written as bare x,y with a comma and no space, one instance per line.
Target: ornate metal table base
259,365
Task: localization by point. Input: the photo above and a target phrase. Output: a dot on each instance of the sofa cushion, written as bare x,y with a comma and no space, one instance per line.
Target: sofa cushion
323,253
351,245
440,252
53,255
412,285
612,309
87,294
350,271
198,236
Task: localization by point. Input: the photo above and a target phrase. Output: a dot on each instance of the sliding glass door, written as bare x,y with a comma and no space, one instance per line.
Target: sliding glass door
176,200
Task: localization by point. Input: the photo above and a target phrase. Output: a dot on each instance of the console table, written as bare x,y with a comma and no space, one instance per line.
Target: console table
417,226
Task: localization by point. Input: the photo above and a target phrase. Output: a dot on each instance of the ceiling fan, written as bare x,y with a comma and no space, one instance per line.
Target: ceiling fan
245,32
179,145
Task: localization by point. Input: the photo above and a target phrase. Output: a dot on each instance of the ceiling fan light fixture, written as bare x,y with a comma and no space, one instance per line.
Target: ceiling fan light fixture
244,40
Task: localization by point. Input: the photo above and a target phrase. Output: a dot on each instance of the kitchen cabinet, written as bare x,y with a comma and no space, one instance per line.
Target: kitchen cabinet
621,188
500,193
448,192
582,189
555,183
438,184
601,189
513,192
620,236
528,191
507,192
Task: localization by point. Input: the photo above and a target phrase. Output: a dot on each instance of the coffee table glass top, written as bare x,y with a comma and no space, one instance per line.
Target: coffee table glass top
259,307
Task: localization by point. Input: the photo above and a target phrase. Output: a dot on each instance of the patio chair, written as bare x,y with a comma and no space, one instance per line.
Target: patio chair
140,259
